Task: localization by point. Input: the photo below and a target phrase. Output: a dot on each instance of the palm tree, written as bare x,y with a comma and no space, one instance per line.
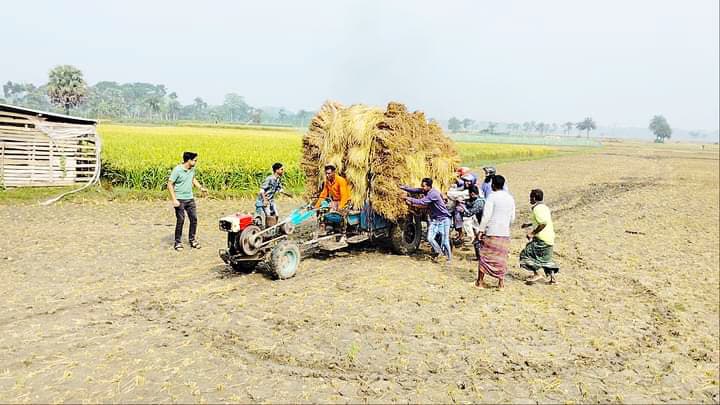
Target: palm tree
66,87
568,127
586,125
173,106
199,106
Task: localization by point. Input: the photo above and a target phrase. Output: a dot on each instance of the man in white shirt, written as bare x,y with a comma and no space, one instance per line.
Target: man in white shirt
494,233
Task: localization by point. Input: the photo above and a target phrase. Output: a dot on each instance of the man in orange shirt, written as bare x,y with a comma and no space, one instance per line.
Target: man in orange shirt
335,187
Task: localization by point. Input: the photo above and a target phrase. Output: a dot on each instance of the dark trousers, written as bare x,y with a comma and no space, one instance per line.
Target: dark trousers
191,209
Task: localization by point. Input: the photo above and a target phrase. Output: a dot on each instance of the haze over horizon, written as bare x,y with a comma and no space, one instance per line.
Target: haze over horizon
511,61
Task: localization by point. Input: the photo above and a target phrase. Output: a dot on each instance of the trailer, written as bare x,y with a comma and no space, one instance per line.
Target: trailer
249,245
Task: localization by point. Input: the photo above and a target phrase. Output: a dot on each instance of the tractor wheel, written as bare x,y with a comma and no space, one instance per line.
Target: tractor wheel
405,236
284,259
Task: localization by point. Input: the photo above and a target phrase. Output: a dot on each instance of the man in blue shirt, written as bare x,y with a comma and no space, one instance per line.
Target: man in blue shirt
265,201
439,215
486,187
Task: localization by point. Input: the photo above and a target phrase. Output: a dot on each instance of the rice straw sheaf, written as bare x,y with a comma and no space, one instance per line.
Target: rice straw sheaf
395,146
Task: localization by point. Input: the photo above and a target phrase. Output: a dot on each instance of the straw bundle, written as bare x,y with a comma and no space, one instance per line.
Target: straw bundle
397,147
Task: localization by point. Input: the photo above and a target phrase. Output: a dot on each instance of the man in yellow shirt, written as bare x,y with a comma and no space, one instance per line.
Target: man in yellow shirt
336,188
538,252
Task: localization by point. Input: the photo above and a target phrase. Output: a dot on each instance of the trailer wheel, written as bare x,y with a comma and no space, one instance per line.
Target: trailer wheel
405,236
284,259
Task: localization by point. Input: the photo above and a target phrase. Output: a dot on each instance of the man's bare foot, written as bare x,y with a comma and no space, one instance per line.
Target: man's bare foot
501,283
532,279
480,284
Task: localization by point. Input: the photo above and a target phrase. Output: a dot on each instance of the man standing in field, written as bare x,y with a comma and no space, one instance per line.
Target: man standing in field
494,234
336,188
180,186
538,252
265,202
439,216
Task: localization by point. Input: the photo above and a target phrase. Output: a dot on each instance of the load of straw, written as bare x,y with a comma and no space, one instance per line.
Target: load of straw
376,151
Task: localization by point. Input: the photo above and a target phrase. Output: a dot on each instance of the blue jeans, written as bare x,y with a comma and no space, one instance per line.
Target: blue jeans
440,226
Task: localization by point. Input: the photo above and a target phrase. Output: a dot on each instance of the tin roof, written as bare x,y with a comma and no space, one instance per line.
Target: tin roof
49,116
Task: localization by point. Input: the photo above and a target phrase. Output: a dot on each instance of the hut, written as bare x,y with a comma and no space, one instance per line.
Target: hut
39,148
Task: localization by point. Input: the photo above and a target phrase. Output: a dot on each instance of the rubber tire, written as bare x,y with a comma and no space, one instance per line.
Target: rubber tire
283,252
404,244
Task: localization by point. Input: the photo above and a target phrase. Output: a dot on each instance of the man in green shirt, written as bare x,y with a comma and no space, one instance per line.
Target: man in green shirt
180,184
539,251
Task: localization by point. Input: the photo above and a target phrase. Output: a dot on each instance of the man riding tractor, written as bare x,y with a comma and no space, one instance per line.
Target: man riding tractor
337,194
265,208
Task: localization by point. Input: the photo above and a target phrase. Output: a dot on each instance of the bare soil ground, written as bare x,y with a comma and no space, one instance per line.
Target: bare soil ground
97,307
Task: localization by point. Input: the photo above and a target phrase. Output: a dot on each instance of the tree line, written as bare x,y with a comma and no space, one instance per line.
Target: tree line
528,127
66,91
658,126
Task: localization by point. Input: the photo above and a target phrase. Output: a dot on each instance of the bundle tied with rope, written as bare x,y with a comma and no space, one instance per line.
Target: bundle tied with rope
393,145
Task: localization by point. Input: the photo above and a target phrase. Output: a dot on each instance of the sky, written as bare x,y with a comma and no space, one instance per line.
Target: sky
620,62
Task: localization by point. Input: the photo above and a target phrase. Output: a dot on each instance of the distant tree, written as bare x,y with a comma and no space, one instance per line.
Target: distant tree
15,93
303,116
539,127
491,127
660,127
256,115
454,124
199,106
283,115
154,104
586,125
174,106
235,107
66,87
106,102
553,127
528,126
568,127
467,123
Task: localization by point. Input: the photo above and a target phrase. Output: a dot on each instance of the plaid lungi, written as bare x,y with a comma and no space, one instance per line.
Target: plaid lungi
493,254
538,255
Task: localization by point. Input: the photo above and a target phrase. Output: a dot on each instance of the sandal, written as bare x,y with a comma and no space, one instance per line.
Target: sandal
194,244
178,247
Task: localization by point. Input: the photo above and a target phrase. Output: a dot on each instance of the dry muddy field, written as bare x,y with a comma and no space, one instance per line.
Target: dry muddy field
97,307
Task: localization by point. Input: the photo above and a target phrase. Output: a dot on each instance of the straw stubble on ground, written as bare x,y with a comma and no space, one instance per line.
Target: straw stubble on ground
97,306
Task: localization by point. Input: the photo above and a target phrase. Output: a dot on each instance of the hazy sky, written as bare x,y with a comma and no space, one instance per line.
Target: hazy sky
549,60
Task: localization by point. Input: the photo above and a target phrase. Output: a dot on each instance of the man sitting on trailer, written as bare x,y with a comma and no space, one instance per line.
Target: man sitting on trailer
335,188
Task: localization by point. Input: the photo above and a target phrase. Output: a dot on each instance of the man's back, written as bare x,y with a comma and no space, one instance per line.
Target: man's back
499,213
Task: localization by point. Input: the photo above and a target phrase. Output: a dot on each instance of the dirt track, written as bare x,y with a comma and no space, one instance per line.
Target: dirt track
97,307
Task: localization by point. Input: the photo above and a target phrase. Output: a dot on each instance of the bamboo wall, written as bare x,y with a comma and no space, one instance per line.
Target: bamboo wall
34,152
